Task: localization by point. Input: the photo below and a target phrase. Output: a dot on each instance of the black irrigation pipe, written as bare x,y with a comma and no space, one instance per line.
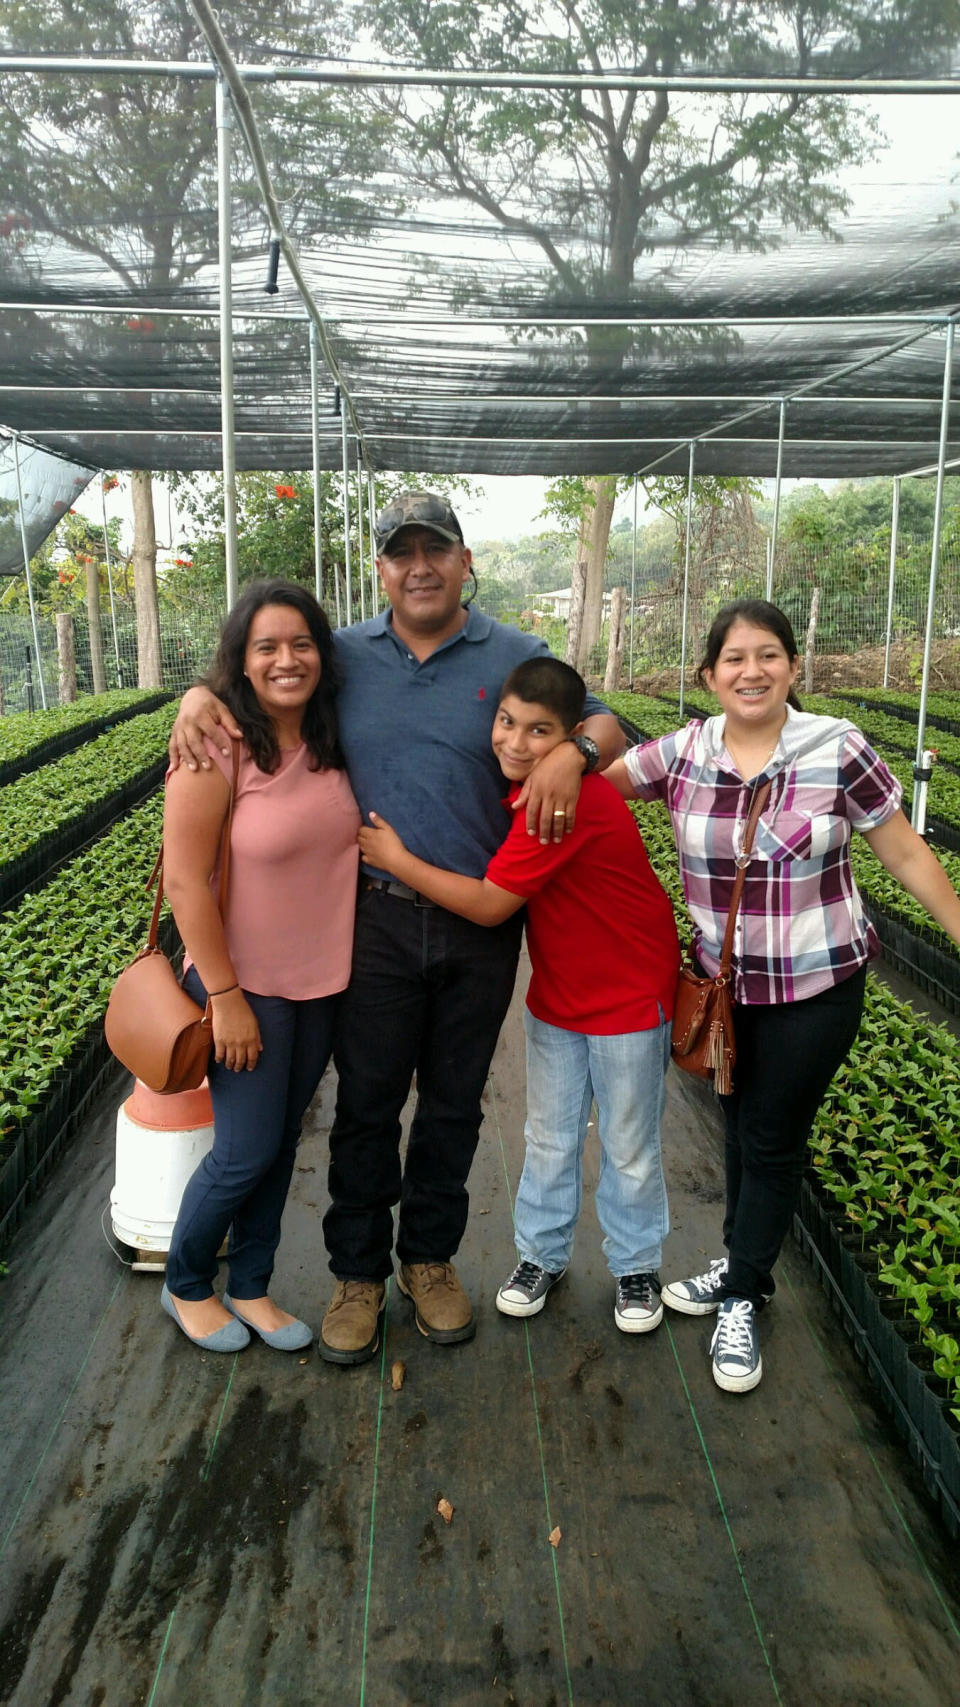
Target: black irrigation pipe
69,739
36,865
30,1154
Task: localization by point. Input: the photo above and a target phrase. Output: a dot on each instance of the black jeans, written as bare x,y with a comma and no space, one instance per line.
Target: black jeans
427,995
786,1057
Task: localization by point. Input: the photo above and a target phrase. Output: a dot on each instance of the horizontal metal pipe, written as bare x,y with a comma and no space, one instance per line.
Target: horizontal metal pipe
492,399
403,77
134,308
868,446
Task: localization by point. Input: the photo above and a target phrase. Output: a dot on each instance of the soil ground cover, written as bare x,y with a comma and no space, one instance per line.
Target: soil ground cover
265,1529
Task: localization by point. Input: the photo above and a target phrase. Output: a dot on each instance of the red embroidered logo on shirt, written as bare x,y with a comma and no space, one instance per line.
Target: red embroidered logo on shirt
482,693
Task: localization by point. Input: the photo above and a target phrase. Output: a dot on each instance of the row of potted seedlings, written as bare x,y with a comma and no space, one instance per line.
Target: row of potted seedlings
48,814
61,948
29,739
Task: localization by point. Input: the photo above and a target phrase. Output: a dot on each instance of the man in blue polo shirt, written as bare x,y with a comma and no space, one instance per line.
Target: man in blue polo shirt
428,990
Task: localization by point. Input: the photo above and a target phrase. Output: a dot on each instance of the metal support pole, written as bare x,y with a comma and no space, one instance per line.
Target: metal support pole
225,122
374,577
686,575
633,580
346,512
934,565
315,423
894,526
26,570
360,575
771,555
113,613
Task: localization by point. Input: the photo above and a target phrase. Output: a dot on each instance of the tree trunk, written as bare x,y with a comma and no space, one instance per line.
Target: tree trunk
145,580
611,680
578,588
811,641
97,670
594,535
66,657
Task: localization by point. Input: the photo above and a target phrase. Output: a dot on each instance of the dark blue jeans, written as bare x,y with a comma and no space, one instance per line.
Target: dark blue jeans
786,1056
242,1183
427,995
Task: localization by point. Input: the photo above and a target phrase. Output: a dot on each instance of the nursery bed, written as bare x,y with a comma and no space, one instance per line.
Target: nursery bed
265,1528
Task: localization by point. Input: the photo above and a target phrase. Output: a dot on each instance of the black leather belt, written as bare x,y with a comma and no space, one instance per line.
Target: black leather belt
386,886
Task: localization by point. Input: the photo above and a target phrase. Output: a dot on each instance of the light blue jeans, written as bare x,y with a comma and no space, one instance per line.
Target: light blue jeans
566,1071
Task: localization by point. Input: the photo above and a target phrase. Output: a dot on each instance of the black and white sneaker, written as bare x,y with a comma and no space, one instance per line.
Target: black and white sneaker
638,1309
735,1347
699,1295
525,1293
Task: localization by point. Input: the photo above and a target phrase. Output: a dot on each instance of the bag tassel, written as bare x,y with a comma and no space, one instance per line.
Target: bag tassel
719,1057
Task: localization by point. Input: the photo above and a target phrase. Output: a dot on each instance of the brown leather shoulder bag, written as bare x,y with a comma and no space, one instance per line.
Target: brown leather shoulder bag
703,1036
152,1026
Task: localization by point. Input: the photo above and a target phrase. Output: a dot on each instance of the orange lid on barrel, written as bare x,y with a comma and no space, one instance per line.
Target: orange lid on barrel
183,1111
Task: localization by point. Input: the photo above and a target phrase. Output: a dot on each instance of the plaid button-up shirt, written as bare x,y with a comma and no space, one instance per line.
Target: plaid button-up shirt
801,925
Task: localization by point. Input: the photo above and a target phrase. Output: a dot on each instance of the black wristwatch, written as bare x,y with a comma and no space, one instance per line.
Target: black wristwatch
587,746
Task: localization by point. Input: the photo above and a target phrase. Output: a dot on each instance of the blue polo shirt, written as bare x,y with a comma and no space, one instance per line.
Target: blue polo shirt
416,736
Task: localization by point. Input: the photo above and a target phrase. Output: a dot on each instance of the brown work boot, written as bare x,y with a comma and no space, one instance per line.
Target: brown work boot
350,1330
444,1311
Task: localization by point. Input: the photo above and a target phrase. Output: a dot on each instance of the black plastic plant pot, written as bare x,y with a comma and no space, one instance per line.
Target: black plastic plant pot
888,1341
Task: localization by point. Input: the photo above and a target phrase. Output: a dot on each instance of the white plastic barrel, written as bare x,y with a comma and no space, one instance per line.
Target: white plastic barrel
160,1140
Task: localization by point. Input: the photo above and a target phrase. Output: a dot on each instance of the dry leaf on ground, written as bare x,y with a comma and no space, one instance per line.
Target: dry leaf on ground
555,1537
397,1373
446,1510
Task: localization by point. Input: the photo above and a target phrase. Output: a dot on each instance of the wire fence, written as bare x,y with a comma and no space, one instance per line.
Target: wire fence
841,597
187,641
849,589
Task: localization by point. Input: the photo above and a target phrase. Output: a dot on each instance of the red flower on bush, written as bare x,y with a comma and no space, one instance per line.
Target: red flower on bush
183,562
285,492
110,481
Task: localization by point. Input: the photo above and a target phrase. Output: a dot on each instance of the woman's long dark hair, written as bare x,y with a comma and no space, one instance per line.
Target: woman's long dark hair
759,614
227,680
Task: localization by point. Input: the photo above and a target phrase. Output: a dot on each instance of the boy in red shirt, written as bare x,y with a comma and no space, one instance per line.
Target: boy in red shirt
604,958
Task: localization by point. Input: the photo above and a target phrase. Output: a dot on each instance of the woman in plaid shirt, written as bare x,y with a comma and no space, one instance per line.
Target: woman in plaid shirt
802,939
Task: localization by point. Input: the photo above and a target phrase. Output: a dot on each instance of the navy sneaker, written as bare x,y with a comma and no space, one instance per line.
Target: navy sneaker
699,1295
735,1347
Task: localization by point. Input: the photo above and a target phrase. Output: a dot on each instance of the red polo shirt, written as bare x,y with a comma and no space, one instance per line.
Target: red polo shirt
600,931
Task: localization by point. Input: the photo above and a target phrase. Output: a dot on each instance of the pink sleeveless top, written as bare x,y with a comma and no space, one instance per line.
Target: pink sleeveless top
293,877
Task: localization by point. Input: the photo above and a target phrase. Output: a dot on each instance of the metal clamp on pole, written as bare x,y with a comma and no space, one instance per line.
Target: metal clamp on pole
921,776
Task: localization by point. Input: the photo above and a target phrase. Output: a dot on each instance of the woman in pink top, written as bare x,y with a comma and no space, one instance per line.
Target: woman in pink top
273,968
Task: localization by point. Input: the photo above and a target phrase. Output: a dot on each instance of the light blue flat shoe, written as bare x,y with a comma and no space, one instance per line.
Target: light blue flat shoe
293,1336
233,1336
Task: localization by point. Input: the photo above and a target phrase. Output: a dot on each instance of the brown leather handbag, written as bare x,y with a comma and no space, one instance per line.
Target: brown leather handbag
703,1041
152,1026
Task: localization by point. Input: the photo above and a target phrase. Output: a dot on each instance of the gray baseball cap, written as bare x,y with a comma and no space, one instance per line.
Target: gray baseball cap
417,509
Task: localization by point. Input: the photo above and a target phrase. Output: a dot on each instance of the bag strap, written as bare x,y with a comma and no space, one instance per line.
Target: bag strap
156,875
757,805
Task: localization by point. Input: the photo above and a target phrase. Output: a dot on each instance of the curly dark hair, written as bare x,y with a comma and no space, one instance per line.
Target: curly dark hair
226,679
760,614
